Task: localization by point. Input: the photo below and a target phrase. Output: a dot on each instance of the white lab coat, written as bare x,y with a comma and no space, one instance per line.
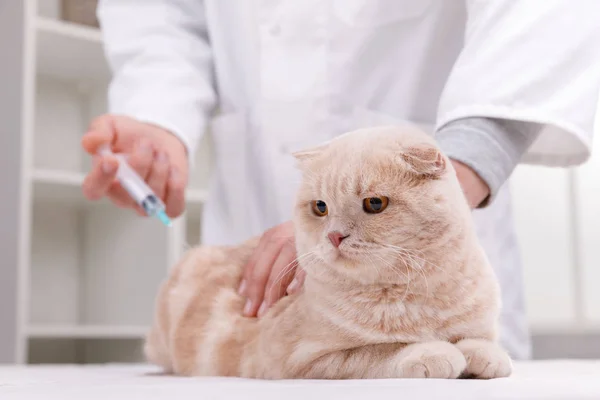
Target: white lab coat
271,76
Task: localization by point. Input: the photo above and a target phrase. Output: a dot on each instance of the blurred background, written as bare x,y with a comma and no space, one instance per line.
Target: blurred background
78,279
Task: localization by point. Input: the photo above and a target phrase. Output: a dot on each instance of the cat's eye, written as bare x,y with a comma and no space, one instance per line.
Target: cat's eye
319,208
375,205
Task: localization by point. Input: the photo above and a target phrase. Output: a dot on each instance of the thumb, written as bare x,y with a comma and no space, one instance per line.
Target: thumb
101,131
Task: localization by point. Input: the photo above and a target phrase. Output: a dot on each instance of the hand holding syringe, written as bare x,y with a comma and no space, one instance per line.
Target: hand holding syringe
137,188
139,166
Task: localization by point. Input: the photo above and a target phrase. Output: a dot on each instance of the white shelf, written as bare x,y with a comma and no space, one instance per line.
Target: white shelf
58,178
70,52
65,186
86,273
70,30
58,186
86,332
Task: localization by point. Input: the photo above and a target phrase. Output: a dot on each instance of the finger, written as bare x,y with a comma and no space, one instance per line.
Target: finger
118,195
263,243
97,182
159,174
259,276
249,267
297,282
142,158
281,275
101,132
175,194
139,210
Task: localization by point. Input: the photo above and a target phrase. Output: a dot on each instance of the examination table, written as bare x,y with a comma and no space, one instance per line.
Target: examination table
543,380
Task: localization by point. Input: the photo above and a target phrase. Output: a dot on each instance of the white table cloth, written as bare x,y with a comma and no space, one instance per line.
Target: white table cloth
543,380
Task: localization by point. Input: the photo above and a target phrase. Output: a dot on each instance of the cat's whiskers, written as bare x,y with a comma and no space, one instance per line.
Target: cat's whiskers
375,279
407,287
419,268
408,274
316,273
411,261
291,267
403,276
309,262
410,253
398,272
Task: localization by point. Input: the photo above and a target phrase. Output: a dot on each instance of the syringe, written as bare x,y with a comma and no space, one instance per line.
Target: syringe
137,188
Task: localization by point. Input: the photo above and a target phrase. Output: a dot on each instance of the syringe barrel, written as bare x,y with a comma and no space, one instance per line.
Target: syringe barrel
131,182
137,188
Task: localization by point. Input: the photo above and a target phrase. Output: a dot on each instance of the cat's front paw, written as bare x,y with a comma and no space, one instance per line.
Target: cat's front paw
438,360
485,359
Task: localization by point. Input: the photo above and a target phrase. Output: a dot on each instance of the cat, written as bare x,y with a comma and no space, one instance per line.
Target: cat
397,284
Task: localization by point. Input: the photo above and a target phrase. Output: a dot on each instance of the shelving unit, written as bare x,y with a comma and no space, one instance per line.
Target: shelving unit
86,332
65,187
86,273
69,51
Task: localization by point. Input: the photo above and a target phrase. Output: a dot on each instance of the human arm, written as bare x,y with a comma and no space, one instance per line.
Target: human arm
484,152
161,61
534,65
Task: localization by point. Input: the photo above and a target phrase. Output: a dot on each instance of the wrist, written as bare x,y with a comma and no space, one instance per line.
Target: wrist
474,188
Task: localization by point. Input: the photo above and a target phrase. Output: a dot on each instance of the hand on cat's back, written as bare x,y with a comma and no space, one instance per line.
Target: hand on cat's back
269,273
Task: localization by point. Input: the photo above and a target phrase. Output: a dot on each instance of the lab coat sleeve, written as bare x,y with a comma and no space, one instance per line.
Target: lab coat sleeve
536,61
160,57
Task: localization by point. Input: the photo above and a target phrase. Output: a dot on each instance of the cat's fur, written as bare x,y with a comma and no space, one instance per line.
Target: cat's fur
409,293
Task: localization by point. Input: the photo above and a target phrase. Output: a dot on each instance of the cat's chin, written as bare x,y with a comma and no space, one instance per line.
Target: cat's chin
343,257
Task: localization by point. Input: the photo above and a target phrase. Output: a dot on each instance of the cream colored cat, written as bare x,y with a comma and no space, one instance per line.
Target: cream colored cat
397,284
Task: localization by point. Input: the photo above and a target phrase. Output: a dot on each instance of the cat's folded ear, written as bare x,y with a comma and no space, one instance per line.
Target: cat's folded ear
424,160
307,155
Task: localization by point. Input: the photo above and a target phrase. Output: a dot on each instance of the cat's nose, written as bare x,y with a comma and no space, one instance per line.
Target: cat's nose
336,238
